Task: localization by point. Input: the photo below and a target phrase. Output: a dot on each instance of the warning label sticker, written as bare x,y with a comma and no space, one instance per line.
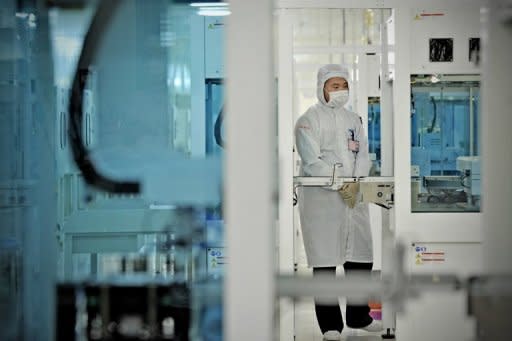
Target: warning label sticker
426,256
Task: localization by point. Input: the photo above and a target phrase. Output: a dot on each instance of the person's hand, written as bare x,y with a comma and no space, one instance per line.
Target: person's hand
349,193
353,146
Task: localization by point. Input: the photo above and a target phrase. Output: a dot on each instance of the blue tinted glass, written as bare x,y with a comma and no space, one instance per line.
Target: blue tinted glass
112,170
374,134
445,163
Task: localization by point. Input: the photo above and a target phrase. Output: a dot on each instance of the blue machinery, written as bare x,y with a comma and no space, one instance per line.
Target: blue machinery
444,136
444,133
127,168
374,147
170,233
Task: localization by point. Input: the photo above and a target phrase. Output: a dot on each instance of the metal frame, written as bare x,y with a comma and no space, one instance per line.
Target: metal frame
197,83
286,240
496,157
285,75
387,117
250,209
84,229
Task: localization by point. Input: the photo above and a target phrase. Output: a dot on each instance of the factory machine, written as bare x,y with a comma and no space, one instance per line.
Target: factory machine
111,182
120,135
444,143
171,232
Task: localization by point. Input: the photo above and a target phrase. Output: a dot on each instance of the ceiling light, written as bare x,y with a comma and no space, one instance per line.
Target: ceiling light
208,4
214,12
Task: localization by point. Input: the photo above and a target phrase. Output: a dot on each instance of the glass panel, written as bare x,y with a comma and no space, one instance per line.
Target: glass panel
338,27
312,28
112,172
445,162
27,179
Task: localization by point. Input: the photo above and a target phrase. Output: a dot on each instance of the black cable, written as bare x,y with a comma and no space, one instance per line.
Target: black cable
81,154
295,196
218,129
431,129
383,206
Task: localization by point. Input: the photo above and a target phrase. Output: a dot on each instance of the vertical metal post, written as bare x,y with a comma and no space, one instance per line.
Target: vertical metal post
197,73
386,112
497,139
250,172
388,311
286,166
401,118
43,157
471,123
361,107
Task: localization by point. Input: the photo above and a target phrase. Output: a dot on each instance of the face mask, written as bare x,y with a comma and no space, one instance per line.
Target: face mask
338,98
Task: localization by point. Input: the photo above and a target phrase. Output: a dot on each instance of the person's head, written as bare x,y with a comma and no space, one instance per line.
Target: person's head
334,84
333,81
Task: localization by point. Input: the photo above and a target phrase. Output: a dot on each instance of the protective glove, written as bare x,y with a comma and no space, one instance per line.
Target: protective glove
349,192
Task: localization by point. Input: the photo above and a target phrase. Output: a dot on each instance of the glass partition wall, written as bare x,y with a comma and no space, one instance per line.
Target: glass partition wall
112,138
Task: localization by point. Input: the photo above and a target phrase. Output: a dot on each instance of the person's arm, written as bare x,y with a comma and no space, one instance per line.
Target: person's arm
362,164
307,140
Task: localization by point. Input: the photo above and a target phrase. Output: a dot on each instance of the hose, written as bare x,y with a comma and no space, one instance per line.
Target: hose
81,154
218,129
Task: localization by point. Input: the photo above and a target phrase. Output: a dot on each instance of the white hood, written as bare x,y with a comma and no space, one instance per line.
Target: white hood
329,71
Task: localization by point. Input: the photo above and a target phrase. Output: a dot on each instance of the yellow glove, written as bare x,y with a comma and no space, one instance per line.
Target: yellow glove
349,193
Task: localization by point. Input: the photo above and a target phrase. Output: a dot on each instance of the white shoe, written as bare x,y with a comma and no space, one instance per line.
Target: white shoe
375,326
332,335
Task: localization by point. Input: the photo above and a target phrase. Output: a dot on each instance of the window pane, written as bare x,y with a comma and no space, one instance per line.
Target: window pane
445,162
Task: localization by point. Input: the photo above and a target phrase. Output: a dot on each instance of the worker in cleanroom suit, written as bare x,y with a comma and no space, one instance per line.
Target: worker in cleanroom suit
335,226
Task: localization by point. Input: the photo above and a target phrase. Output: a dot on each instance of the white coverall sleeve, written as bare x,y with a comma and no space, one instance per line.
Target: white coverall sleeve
307,140
362,164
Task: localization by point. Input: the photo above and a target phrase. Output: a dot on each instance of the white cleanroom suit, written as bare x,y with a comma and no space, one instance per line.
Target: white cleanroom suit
333,233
